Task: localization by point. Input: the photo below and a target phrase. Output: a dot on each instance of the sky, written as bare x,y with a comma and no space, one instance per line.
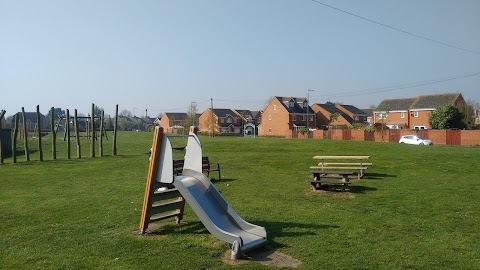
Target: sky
163,56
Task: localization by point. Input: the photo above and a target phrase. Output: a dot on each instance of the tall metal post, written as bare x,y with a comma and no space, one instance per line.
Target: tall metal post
308,109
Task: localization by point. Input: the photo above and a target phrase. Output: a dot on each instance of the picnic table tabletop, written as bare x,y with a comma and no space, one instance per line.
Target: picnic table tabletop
341,157
330,172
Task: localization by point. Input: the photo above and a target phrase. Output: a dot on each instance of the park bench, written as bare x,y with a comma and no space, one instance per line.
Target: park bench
323,179
207,167
355,163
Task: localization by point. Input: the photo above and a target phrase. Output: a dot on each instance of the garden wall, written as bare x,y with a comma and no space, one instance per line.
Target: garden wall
441,137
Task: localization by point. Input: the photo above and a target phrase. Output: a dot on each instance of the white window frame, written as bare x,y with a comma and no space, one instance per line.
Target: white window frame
274,107
402,114
294,118
415,114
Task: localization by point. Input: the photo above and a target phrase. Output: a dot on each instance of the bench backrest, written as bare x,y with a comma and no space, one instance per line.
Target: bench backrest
178,165
205,163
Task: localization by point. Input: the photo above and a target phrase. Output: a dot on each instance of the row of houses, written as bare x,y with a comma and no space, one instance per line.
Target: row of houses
282,115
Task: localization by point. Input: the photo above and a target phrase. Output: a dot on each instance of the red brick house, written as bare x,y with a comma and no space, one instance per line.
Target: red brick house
222,120
414,112
347,114
172,121
285,114
358,116
324,114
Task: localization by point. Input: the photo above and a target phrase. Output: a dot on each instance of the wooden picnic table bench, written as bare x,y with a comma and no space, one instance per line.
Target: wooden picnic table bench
344,163
322,178
207,167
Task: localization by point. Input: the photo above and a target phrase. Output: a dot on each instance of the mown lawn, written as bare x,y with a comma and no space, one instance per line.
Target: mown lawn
417,208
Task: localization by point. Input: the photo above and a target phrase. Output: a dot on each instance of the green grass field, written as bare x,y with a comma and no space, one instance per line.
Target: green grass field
417,208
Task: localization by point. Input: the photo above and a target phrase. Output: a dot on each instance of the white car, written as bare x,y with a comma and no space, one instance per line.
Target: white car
414,139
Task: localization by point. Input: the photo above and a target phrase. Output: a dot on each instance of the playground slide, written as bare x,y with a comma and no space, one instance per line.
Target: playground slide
217,215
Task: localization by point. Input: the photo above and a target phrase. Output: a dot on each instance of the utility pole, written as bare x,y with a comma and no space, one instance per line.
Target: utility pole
308,109
211,110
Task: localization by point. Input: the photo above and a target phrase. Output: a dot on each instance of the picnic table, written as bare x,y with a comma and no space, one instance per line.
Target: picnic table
330,179
356,163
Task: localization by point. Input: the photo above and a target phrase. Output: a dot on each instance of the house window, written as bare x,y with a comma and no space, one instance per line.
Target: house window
382,115
222,120
274,107
270,130
415,114
269,117
291,104
303,117
294,118
229,120
402,115
310,118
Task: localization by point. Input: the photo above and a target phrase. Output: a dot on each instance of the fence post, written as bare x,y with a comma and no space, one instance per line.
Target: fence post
14,140
2,113
25,135
77,137
54,134
92,142
39,134
100,148
67,132
114,149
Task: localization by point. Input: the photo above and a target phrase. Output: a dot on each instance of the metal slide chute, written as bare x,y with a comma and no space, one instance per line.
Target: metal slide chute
209,205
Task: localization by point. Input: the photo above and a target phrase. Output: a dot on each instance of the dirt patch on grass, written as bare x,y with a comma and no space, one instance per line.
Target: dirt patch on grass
336,194
265,257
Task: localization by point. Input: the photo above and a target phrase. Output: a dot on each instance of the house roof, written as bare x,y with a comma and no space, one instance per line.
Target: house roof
434,101
399,104
176,116
224,112
368,112
330,107
245,113
353,109
30,116
297,108
420,102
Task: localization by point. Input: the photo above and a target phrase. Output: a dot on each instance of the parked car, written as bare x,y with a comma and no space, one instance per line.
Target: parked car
414,139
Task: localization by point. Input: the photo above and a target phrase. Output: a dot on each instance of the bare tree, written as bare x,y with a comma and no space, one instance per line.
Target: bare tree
126,113
191,115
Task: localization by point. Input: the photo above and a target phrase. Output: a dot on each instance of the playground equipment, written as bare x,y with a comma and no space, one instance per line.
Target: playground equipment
193,186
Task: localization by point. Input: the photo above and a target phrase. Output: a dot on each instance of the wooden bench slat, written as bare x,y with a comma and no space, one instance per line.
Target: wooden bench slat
341,157
331,172
346,163
329,182
338,167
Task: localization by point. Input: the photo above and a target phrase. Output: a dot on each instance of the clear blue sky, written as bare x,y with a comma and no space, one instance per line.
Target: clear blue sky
163,55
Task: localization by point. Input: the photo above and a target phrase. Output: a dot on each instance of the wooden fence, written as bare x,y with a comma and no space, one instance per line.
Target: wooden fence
8,138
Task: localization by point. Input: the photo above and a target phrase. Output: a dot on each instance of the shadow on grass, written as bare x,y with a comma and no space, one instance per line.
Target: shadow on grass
183,227
361,189
274,229
216,181
378,176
